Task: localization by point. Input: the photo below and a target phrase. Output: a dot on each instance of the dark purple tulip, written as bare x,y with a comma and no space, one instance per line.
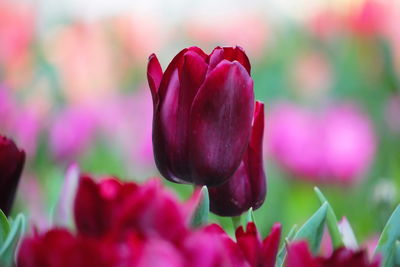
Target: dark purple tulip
247,187
11,163
203,110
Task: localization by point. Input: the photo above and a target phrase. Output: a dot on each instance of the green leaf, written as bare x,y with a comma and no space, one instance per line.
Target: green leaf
397,254
313,229
282,252
4,227
387,242
332,221
200,216
7,250
250,216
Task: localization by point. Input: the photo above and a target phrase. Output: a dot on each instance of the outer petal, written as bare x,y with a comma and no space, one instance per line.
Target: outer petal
91,216
270,246
11,164
154,76
247,187
229,53
249,242
220,123
255,163
173,119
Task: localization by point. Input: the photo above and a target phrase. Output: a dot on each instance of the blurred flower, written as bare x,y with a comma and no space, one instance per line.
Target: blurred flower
63,214
110,206
370,18
200,133
128,224
259,253
312,75
293,140
126,120
83,58
32,198
336,147
12,161
71,132
139,34
325,25
247,187
349,144
299,255
27,128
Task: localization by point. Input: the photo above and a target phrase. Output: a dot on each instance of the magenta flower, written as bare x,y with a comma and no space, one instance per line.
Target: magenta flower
299,255
336,146
247,187
12,161
259,253
72,132
348,144
203,110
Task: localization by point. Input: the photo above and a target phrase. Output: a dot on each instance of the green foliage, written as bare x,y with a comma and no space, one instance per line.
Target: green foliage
388,242
200,216
332,222
8,248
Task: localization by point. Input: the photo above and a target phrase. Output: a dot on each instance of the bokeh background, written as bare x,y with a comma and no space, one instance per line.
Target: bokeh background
73,89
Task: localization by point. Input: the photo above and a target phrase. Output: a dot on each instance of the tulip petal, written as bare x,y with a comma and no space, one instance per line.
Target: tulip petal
299,255
220,125
174,116
270,246
255,164
154,76
229,53
249,243
90,217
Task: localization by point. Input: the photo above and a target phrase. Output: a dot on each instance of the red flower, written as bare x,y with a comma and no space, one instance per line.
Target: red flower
259,253
203,109
110,208
11,163
299,255
247,187
59,248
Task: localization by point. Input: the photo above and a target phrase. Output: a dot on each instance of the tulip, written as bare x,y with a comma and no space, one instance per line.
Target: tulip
257,253
247,187
11,163
118,209
299,255
203,107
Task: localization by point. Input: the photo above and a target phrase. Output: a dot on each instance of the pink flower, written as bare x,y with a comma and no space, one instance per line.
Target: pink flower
293,136
349,144
16,31
337,146
71,132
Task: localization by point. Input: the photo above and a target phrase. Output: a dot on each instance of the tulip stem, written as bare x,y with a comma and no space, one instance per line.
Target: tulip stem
236,221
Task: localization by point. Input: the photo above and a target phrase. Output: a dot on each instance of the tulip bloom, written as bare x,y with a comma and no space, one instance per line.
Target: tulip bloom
11,163
299,255
247,187
257,253
203,108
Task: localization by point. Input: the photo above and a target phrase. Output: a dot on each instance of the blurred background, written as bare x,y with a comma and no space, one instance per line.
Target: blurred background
73,89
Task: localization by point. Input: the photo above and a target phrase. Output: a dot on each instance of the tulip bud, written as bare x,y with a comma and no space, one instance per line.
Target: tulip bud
203,107
11,163
247,187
